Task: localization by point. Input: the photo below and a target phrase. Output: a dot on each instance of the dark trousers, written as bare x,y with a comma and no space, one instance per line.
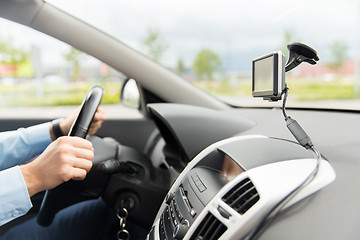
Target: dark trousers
87,220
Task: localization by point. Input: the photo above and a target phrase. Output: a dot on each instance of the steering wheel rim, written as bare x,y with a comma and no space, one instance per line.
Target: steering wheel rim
79,128
87,112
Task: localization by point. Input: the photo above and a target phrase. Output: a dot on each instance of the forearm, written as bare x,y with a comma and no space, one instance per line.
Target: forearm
20,146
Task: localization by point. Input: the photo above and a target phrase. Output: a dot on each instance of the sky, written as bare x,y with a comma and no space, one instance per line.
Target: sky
237,30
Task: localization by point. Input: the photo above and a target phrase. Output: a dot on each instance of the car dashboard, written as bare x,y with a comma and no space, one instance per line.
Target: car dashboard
228,189
216,198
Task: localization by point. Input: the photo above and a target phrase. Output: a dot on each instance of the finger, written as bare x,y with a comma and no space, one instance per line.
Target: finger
87,154
99,115
100,110
83,164
77,142
99,118
94,127
78,174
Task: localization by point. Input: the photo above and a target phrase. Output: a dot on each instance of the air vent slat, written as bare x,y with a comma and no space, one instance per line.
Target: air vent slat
208,234
242,197
206,222
232,194
220,229
248,204
210,229
216,230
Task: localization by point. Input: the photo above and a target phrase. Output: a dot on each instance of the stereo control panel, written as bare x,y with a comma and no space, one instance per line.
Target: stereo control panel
184,205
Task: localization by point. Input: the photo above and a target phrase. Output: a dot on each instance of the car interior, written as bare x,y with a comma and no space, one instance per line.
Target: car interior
186,165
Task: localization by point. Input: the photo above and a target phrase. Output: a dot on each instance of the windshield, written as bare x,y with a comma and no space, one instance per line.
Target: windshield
212,43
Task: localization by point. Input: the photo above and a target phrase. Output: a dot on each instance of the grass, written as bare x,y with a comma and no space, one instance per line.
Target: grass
225,88
300,89
25,94
310,91
55,94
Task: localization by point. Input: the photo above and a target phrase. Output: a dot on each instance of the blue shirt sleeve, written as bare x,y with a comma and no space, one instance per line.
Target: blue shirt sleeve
18,147
15,200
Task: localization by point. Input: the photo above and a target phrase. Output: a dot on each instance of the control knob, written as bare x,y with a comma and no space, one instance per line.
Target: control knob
180,231
169,197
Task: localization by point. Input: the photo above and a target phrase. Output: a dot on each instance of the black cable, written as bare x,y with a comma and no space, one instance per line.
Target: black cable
294,127
285,92
274,212
304,141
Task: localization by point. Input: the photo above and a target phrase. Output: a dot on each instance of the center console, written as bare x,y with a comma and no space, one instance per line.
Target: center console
229,186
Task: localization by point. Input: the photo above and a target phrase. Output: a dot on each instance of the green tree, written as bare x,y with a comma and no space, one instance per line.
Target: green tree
206,63
12,55
154,45
180,67
338,54
74,57
289,36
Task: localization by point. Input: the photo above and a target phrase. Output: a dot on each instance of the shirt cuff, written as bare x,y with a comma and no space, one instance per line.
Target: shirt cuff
15,199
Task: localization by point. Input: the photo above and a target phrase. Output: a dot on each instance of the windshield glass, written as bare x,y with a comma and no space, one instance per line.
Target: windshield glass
212,43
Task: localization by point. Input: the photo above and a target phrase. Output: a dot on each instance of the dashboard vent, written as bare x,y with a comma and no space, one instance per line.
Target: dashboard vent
242,197
209,229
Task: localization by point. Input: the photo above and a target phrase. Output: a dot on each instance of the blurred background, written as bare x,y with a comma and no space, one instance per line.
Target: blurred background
209,43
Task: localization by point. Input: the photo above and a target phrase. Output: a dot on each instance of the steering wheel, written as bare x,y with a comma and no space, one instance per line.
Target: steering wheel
79,128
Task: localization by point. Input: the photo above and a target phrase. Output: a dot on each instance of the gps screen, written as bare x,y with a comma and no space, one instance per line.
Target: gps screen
264,74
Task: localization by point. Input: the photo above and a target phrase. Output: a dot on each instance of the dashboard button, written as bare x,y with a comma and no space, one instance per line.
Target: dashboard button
192,213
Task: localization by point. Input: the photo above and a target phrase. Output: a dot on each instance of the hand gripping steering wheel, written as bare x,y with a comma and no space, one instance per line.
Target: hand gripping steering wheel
56,199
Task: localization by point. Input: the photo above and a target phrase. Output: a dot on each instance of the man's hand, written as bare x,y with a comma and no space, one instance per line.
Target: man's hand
99,118
64,159
66,123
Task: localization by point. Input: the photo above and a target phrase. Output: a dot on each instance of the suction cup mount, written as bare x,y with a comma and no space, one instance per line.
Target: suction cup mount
300,53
